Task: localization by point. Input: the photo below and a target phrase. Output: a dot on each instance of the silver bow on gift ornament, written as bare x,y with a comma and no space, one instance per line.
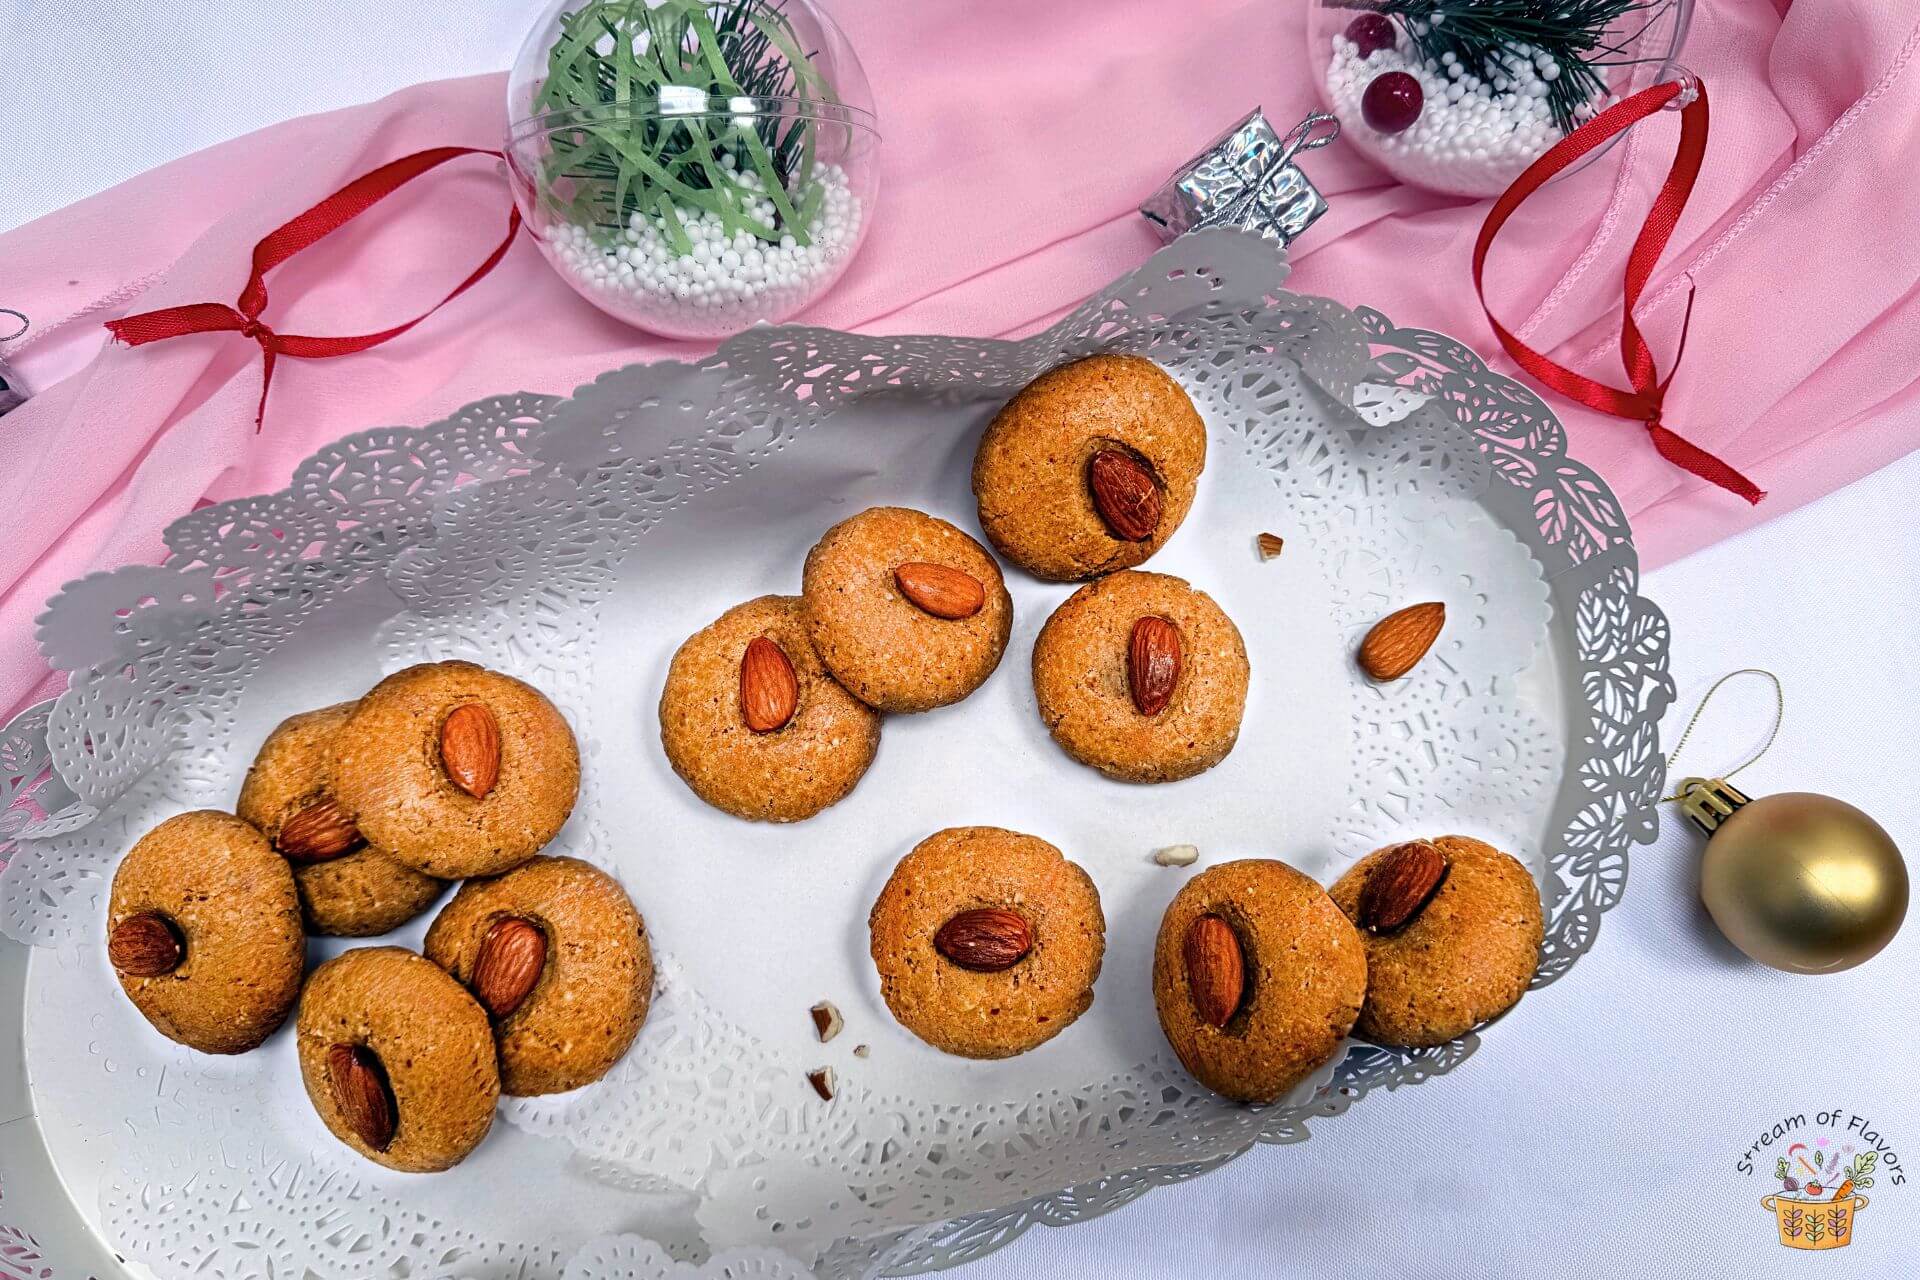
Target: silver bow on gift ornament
1246,178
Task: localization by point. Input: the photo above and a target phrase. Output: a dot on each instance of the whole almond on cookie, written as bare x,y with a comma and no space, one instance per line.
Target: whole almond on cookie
508,964
359,1087
145,946
1400,640
470,749
1216,970
1125,494
940,590
985,939
769,691
1400,886
1153,664
318,832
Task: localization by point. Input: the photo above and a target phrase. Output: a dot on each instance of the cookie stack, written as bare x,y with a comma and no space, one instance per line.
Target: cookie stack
351,822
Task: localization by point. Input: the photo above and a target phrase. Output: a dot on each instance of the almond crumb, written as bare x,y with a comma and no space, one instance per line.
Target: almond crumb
1177,855
826,1020
821,1078
1270,545
861,1051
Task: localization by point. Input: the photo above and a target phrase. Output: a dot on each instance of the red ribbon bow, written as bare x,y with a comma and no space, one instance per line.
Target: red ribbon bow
1643,403
338,209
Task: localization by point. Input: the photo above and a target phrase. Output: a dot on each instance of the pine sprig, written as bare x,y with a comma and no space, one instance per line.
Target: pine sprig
617,61
1483,35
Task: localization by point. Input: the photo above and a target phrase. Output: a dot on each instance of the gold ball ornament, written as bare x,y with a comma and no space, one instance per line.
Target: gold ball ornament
1798,881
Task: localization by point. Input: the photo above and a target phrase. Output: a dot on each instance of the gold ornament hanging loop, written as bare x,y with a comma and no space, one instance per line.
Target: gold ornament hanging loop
1779,714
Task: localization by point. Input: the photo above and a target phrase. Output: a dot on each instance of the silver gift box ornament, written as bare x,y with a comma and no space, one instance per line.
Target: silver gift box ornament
1246,178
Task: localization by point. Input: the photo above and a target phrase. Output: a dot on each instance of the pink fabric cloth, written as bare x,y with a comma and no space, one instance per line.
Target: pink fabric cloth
1018,140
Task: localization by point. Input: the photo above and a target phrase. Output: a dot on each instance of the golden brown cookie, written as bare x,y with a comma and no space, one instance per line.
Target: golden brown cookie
762,730
555,951
1089,674
348,888
455,770
397,1058
203,931
1466,956
1257,977
906,611
1090,468
987,941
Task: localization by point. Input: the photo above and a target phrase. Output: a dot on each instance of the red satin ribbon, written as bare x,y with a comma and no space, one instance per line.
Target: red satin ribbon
322,220
1649,389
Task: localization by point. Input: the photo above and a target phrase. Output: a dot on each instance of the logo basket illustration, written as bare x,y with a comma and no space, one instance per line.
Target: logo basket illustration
1814,1224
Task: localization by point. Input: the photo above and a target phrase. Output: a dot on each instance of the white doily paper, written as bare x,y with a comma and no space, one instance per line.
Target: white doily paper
576,542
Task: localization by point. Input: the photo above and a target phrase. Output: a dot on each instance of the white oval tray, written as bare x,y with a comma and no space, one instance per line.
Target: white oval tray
576,541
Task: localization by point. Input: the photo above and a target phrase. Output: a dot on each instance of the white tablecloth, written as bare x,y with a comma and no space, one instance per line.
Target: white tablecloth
1599,1129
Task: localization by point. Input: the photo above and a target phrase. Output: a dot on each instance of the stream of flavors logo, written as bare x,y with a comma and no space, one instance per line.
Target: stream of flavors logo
1821,1170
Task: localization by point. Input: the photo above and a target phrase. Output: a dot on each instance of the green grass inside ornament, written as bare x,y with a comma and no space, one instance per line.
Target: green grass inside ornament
617,63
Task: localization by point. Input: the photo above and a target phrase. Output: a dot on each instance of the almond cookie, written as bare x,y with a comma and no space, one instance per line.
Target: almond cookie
1452,928
397,1058
556,953
348,888
754,723
1142,677
1257,977
203,931
1090,468
987,941
908,612
455,770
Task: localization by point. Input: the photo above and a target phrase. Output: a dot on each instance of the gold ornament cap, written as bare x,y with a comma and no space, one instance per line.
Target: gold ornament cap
1708,802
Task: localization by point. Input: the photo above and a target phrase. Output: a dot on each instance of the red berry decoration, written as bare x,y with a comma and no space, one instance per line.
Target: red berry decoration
1371,32
1392,102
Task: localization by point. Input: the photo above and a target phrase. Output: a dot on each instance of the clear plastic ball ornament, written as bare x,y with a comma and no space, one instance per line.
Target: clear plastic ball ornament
1469,130
693,167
